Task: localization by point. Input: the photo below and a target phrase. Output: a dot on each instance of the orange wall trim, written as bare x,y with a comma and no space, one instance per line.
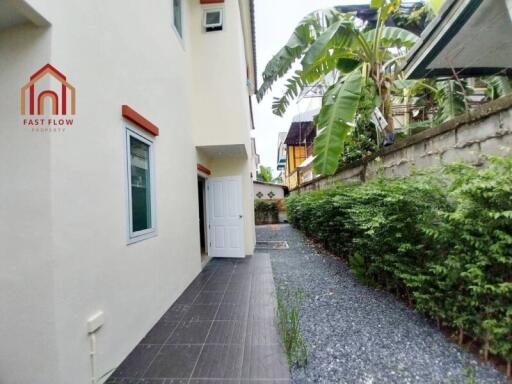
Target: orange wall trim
211,1
202,168
140,120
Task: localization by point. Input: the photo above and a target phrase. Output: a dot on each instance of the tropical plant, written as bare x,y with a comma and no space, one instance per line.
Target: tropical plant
435,5
497,86
337,50
264,174
451,98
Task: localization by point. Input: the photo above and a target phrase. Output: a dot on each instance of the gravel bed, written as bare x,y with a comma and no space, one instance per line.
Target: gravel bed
356,334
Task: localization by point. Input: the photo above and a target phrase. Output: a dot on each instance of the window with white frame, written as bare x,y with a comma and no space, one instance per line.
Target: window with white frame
177,16
141,186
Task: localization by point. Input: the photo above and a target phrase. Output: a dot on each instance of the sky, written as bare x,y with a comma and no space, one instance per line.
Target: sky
275,22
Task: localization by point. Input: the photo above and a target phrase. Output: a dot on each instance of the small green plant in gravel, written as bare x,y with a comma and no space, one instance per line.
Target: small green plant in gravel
289,301
469,376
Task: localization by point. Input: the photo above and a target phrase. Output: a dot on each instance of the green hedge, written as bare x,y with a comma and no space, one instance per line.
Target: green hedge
266,211
442,241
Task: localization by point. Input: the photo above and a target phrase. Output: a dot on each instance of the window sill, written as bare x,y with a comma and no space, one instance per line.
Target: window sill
144,236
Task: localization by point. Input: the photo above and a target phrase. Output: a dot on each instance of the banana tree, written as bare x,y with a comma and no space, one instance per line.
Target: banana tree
339,51
498,86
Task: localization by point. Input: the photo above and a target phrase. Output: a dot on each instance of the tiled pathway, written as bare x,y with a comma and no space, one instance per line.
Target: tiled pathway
222,329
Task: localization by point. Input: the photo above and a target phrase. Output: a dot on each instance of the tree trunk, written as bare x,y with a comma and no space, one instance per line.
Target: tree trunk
461,336
387,111
407,113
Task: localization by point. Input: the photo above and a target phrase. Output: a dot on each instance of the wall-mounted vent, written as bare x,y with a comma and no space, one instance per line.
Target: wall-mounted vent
213,19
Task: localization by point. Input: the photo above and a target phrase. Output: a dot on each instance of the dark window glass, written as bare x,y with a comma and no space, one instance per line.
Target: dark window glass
140,185
213,17
177,16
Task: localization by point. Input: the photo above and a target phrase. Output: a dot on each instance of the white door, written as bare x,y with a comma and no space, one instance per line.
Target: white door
225,218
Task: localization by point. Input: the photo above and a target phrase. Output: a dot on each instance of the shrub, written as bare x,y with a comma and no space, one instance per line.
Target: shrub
470,283
266,211
442,241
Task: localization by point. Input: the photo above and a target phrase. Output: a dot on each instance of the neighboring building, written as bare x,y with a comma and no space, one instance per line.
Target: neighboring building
255,159
269,191
467,37
281,151
138,130
299,148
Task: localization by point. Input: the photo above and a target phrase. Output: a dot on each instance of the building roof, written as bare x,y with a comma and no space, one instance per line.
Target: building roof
253,33
249,34
468,37
302,129
270,184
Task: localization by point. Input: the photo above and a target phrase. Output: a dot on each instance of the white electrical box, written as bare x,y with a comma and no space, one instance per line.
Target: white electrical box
95,322
213,19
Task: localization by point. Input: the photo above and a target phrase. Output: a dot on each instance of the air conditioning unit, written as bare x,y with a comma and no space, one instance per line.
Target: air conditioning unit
213,19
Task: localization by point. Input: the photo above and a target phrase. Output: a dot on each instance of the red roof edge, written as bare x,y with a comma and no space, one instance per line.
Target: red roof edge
141,121
202,168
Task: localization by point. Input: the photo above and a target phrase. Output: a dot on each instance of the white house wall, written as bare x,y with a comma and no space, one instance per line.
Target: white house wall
220,112
63,212
27,319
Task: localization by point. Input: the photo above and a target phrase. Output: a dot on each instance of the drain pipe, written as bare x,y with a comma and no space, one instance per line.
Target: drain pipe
93,325
92,355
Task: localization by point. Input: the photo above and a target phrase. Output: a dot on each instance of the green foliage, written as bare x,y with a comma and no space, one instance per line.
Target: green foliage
289,302
393,37
435,5
266,211
334,122
442,241
497,86
264,174
337,51
417,20
451,99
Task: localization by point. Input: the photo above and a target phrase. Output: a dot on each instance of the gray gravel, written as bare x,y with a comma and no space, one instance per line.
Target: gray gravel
357,334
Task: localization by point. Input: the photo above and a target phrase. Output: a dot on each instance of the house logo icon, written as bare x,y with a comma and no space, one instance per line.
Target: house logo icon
40,88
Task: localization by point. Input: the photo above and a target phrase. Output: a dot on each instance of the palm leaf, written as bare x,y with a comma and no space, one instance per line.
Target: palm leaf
393,37
335,41
280,64
296,83
334,122
294,86
498,86
451,100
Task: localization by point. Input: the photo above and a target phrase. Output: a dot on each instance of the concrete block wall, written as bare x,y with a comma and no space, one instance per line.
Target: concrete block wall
485,130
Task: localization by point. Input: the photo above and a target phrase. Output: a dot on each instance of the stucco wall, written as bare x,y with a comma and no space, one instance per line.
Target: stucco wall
63,209
220,112
27,318
265,189
487,130
112,62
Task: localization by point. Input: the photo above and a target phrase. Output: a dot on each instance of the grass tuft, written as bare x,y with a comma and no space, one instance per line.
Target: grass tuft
289,302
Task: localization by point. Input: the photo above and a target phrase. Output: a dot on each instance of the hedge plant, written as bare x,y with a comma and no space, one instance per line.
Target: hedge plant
440,240
266,211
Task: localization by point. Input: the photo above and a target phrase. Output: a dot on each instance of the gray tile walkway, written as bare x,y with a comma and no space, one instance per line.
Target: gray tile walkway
222,329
